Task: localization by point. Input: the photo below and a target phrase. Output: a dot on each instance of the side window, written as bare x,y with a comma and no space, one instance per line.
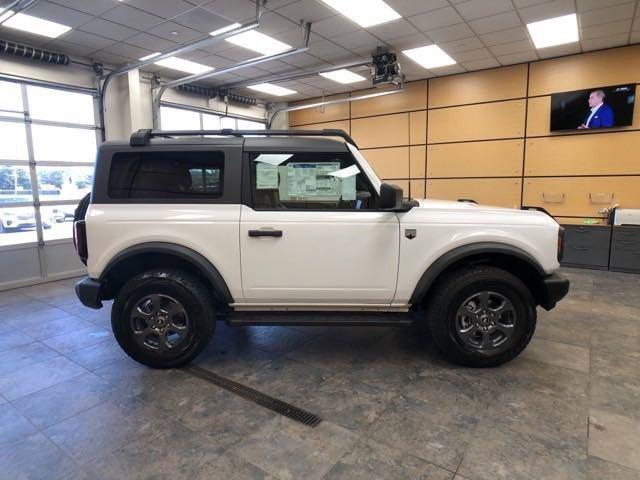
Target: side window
309,181
162,175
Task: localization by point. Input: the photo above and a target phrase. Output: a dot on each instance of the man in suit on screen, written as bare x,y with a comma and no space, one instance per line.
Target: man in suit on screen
601,115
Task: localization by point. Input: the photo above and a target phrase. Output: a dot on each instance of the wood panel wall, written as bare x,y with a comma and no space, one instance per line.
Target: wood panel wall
485,135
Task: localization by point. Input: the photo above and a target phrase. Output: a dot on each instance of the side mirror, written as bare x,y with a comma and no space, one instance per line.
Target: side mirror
390,197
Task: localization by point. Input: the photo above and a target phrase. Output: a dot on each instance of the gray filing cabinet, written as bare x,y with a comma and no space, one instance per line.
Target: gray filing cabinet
625,249
587,246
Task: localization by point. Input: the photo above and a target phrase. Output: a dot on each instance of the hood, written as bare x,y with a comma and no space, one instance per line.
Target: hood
465,212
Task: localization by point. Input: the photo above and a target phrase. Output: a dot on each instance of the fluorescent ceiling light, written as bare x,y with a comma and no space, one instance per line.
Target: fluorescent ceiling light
180,64
224,29
343,76
365,13
150,56
431,56
258,42
272,89
39,26
554,31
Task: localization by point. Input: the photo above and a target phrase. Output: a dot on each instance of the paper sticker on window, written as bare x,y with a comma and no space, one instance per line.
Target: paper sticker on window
266,176
273,158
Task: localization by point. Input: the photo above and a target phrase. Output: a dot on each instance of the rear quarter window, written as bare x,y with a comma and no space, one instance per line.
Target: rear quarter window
166,175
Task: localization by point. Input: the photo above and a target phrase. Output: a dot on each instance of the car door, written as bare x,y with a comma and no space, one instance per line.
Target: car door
311,232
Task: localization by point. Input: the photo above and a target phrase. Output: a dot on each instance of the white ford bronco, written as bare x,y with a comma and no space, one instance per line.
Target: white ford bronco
184,228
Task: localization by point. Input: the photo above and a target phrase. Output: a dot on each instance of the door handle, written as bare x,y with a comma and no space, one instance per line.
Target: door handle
265,233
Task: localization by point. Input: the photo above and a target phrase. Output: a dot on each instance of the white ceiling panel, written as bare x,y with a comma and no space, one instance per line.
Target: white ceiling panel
129,51
334,26
150,42
607,15
542,11
448,34
174,32
361,38
607,42
462,45
162,8
87,39
108,29
132,17
560,50
309,10
436,19
505,36
390,30
60,14
471,55
495,23
201,20
407,8
473,9
235,10
481,64
411,41
606,30
508,48
93,7
586,5
521,57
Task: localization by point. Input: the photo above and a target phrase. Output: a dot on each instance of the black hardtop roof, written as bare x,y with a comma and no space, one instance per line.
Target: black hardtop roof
252,138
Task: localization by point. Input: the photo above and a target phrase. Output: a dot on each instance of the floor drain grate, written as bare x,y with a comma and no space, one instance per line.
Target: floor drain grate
262,399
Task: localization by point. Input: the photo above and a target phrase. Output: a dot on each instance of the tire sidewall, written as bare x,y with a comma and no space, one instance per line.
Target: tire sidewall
198,311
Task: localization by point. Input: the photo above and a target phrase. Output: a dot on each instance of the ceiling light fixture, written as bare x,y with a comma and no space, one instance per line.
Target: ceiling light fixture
28,23
258,42
343,76
365,13
431,56
272,89
554,31
224,29
180,64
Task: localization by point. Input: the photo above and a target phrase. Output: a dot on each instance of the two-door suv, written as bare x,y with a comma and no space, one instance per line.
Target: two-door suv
184,228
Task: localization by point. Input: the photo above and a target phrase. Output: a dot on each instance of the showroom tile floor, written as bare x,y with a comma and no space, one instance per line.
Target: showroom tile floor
73,406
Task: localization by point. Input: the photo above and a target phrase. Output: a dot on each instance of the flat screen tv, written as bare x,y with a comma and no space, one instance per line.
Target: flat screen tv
593,108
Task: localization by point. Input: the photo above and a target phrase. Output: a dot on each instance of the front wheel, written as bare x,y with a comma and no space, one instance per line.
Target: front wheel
163,318
481,316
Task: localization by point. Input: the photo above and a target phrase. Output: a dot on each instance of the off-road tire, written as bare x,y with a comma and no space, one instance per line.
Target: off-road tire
81,210
450,293
185,289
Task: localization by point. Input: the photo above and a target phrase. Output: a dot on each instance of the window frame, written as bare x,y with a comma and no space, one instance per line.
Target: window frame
248,184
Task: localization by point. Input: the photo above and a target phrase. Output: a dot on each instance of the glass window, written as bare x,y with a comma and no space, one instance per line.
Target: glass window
10,97
15,184
57,221
210,122
64,183
309,181
228,122
60,106
165,175
63,143
17,225
13,141
249,125
179,119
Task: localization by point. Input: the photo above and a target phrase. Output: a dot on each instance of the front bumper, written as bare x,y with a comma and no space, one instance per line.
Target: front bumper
88,291
554,288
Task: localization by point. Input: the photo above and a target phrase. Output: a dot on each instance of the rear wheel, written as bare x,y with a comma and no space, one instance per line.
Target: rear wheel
163,318
481,316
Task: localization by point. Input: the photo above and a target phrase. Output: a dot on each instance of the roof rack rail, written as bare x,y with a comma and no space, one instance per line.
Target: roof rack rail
143,136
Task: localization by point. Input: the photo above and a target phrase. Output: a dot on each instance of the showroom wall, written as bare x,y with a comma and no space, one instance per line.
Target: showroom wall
485,136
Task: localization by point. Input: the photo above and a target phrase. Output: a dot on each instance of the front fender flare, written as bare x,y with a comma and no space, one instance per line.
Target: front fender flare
460,253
